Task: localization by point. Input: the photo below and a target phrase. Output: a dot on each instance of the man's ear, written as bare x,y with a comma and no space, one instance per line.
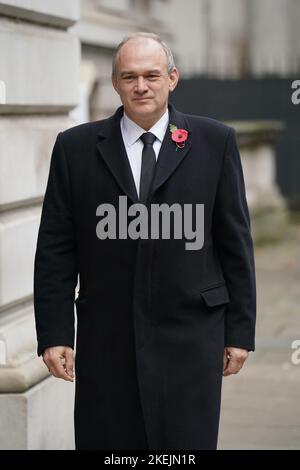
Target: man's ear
173,79
115,84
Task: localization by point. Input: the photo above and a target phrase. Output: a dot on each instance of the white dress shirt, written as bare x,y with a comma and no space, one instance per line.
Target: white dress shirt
131,134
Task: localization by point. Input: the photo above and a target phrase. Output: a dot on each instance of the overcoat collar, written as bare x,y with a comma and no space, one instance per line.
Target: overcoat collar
113,152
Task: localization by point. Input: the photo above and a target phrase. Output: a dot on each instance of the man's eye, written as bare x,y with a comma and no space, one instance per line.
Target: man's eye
153,77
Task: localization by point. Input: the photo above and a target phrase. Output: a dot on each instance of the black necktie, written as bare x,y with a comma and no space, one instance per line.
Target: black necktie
148,166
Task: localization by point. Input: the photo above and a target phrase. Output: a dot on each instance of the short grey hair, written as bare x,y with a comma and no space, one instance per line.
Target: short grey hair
155,37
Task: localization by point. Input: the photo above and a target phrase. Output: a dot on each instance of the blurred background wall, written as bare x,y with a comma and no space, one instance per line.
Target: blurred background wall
237,61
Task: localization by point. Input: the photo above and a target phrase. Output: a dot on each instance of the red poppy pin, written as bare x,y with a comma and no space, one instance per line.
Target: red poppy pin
179,136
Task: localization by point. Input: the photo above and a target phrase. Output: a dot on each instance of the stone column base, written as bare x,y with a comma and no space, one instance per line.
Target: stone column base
40,418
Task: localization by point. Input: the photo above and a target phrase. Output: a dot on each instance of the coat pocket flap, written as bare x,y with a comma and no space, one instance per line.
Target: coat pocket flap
216,296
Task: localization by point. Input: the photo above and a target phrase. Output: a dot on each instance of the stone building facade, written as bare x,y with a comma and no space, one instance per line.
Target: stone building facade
39,88
55,63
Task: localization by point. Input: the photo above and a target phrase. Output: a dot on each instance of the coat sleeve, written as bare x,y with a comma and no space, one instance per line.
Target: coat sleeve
232,234
55,264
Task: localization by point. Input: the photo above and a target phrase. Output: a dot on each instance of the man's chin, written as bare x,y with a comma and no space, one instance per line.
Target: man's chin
143,104
142,110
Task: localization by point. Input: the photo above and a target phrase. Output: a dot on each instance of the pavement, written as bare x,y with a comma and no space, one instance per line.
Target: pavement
261,405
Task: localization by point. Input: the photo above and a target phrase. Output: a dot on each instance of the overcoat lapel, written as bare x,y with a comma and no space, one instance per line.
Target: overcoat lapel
113,152
169,158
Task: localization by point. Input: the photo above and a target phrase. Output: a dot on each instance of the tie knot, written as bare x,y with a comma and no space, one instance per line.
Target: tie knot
148,138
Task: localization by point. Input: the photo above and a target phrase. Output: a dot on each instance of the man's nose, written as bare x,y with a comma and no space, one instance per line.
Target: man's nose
141,85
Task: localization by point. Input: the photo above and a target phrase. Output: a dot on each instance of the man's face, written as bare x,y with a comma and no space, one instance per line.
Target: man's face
142,80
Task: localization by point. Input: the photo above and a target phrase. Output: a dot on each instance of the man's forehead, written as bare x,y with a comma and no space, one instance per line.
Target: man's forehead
142,63
141,51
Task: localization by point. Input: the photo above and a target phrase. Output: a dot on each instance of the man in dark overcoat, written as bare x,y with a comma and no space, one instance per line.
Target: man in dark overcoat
161,317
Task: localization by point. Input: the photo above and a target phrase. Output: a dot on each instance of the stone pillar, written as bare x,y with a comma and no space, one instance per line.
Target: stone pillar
227,38
266,203
272,33
39,77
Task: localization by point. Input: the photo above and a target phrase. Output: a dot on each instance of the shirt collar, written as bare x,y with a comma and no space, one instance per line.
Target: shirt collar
132,131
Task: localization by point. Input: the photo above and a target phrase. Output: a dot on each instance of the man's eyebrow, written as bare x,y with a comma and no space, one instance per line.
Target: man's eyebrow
131,72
